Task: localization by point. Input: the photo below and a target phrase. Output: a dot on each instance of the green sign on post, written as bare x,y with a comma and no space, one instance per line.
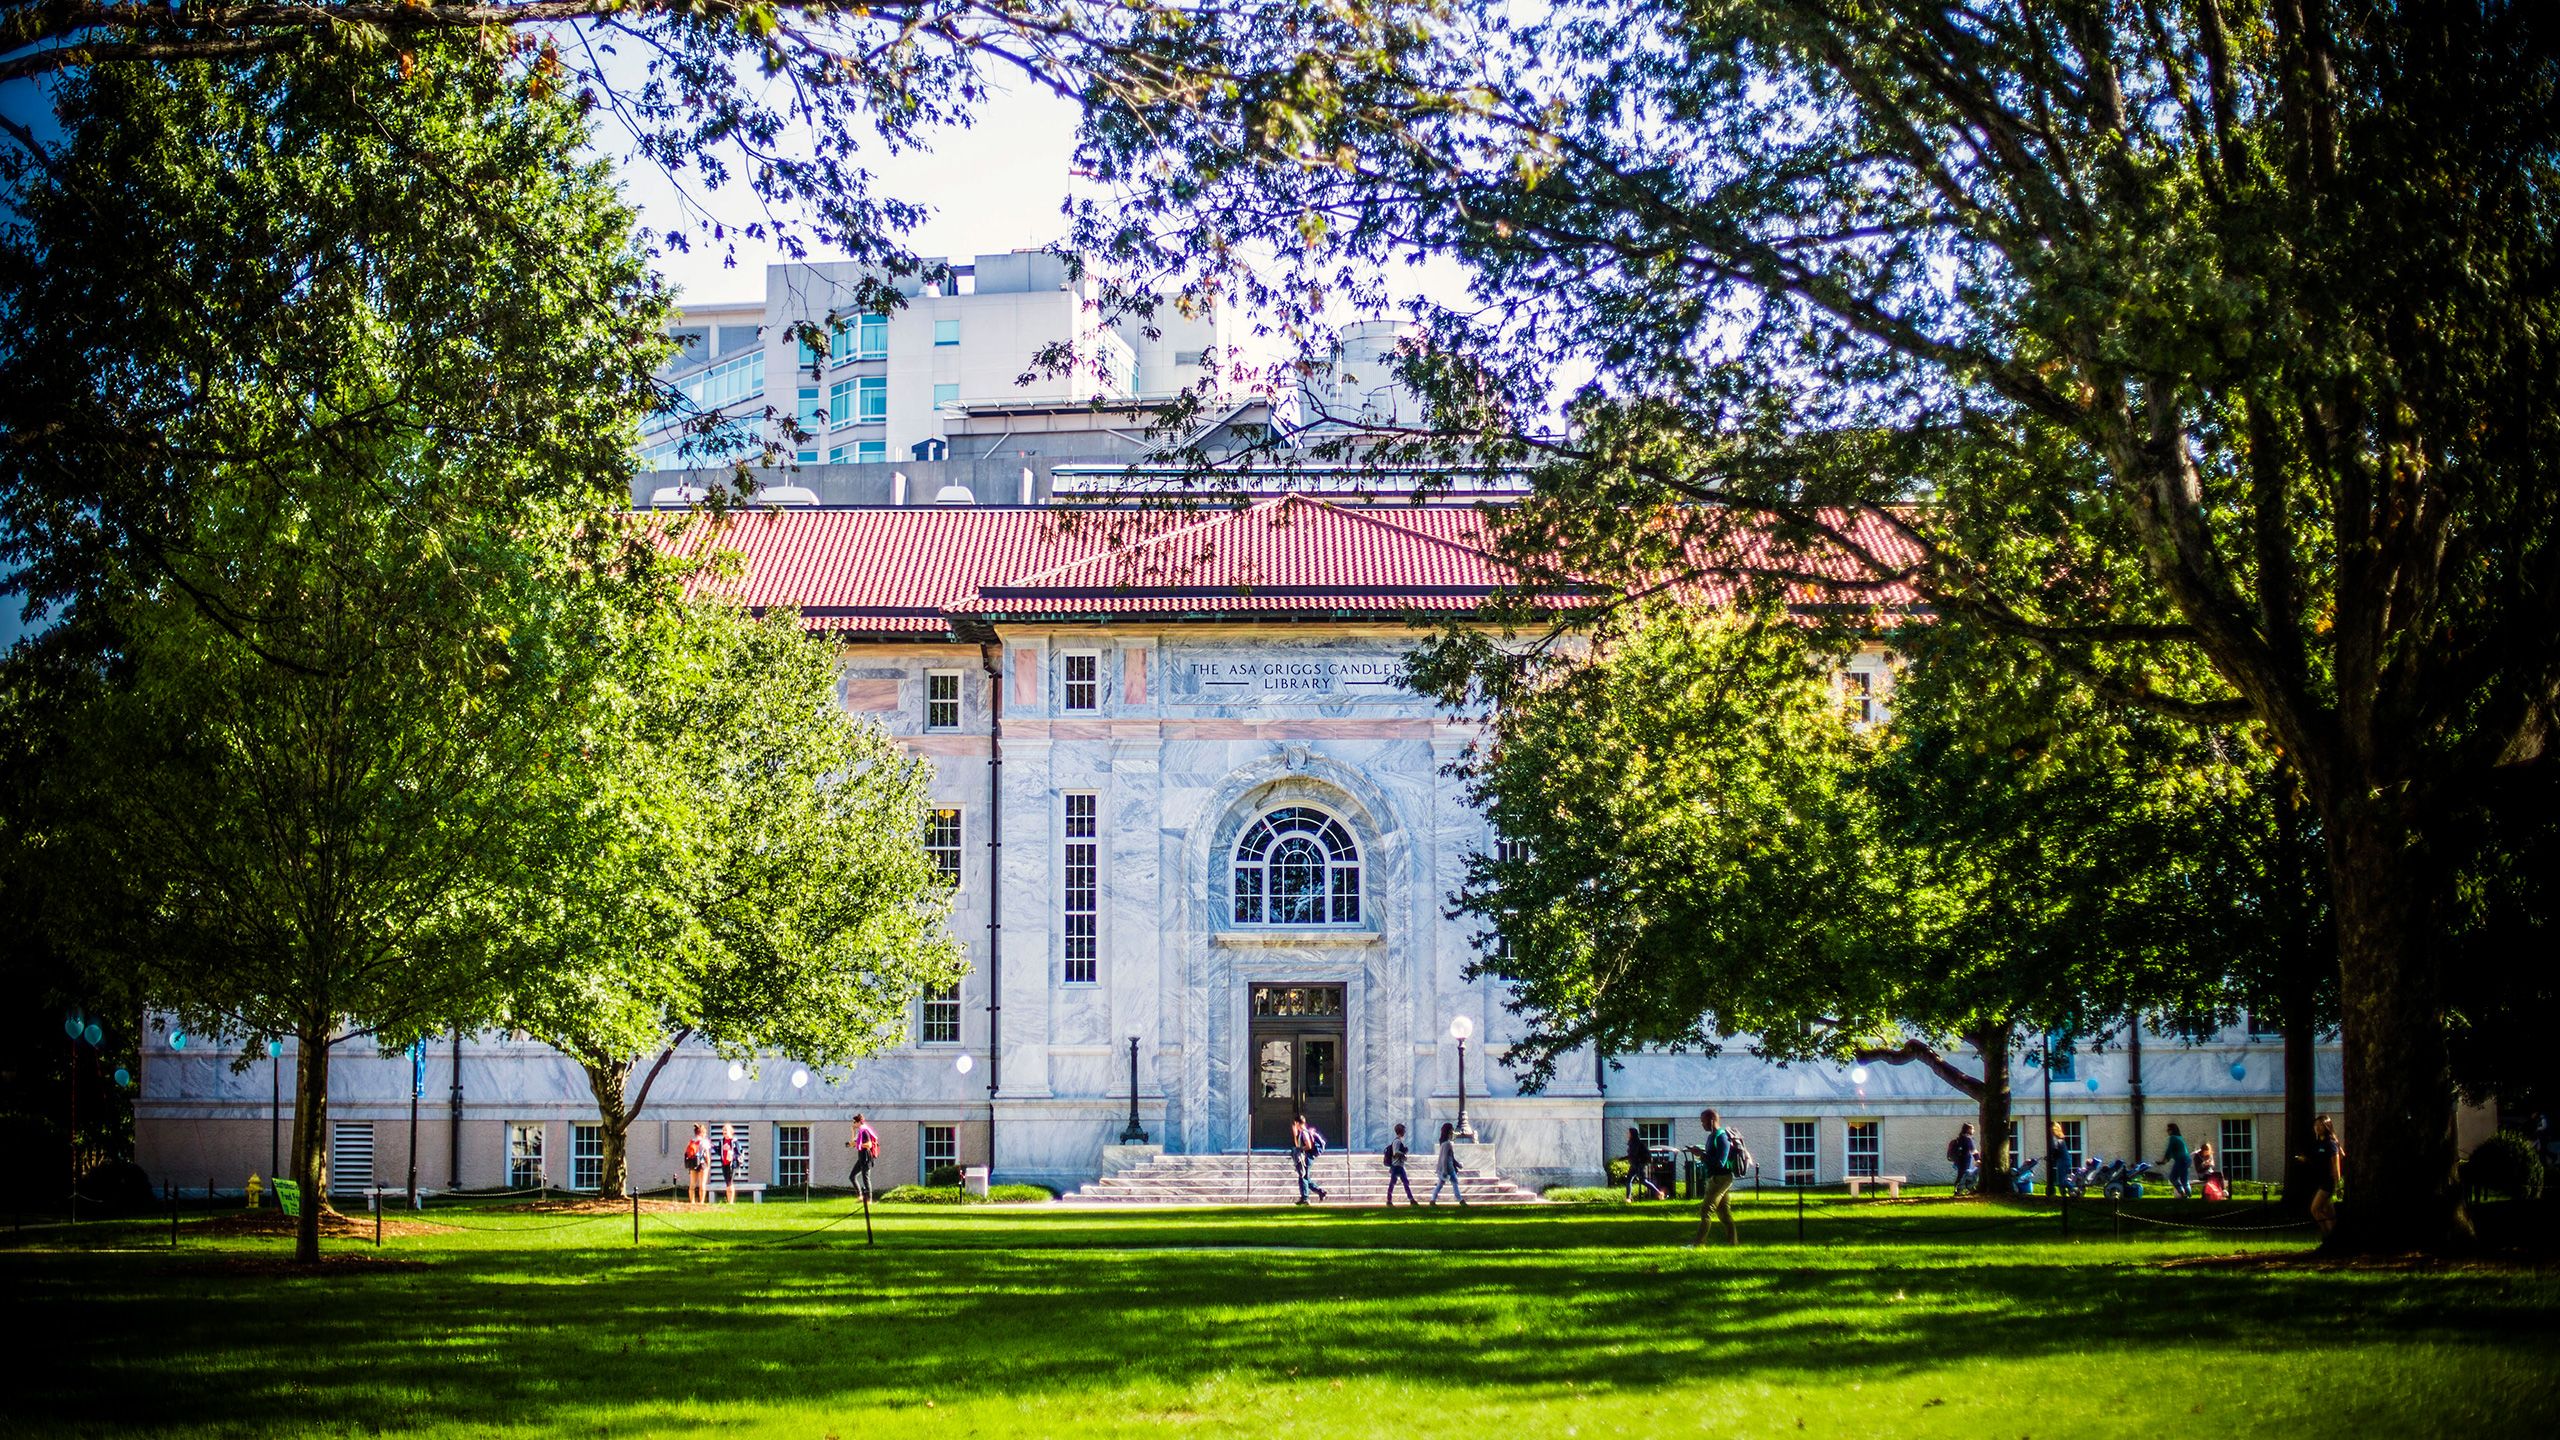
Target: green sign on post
289,1195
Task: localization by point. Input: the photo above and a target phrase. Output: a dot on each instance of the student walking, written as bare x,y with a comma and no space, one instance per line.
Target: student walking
1397,1154
1963,1153
697,1168
866,1148
2328,1167
1640,1165
731,1161
2178,1161
2057,1161
1445,1165
1725,1160
1305,1144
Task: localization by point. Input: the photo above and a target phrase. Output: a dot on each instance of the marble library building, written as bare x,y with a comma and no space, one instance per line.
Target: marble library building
1204,842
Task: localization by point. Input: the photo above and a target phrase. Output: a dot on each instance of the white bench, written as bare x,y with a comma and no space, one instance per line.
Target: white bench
752,1189
375,1194
1892,1184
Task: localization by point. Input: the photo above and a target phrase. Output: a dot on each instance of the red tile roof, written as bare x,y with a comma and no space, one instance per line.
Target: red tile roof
919,571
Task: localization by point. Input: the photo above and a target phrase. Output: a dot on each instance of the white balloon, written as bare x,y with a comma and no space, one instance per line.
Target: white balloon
799,1079
737,1071
1858,1076
964,1064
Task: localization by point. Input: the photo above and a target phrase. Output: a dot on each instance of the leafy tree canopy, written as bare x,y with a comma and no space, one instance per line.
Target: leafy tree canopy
2218,333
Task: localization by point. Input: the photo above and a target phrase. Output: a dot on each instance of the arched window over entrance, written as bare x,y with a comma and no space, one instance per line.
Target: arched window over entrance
1297,866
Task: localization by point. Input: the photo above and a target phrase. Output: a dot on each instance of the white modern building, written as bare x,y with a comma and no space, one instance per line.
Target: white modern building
1200,829
1001,357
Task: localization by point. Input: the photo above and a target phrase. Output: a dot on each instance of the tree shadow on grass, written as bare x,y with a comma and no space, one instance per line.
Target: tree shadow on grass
626,1338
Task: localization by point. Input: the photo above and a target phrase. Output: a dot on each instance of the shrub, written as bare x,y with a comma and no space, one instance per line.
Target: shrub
925,1195
2505,1163
942,1175
1020,1194
1618,1173
1588,1194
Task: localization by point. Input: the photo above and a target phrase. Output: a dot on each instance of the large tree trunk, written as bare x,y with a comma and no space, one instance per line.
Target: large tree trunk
2400,1188
311,1135
1991,1116
609,1080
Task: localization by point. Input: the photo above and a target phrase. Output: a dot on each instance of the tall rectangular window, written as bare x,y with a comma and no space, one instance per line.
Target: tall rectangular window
351,1155
941,1016
1083,898
2237,1151
524,1156
2015,1159
1866,1147
586,1156
790,1154
941,1147
942,842
871,400
1506,851
813,411
1084,682
942,700
1858,693
2072,1133
946,332
1796,1141
945,394
874,335
840,403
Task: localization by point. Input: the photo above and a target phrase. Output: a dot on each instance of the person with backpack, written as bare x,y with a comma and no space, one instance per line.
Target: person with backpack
1963,1154
2210,1181
732,1157
1447,1165
2177,1160
1725,1160
1640,1166
697,1168
1397,1153
1305,1144
2328,1167
866,1148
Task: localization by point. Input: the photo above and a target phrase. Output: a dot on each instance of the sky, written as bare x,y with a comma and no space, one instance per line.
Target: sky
998,185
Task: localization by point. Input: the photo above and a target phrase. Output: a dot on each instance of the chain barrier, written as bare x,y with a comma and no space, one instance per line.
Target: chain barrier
845,1219
2214,1227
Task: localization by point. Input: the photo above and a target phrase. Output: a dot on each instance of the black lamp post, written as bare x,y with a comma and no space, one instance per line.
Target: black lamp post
1459,1029
1130,1134
275,1112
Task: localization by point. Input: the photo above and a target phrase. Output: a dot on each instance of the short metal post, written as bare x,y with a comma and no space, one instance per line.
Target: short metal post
378,1208
635,1217
867,1237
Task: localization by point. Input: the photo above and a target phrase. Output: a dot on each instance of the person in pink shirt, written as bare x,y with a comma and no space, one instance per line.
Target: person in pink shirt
866,1148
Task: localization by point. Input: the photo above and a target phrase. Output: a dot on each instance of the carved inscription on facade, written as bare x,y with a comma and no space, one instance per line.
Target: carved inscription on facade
1284,676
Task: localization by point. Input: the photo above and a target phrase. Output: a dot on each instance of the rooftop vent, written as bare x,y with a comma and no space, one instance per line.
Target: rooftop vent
787,495
954,493
675,497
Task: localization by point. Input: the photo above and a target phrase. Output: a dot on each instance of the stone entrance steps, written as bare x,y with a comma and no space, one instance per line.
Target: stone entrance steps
1265,1178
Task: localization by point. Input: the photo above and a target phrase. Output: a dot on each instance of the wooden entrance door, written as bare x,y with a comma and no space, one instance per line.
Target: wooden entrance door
1296,1062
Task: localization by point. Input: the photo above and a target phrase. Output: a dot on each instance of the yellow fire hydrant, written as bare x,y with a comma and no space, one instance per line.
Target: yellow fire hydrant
254,1188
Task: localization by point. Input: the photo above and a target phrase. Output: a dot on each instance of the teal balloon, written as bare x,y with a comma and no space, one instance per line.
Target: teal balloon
2093,1084
177,1039
274,1048
124,1078
93,1034
71,1024
2239,1071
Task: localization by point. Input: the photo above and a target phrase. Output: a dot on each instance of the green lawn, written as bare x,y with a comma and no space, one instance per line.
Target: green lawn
1919,1319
